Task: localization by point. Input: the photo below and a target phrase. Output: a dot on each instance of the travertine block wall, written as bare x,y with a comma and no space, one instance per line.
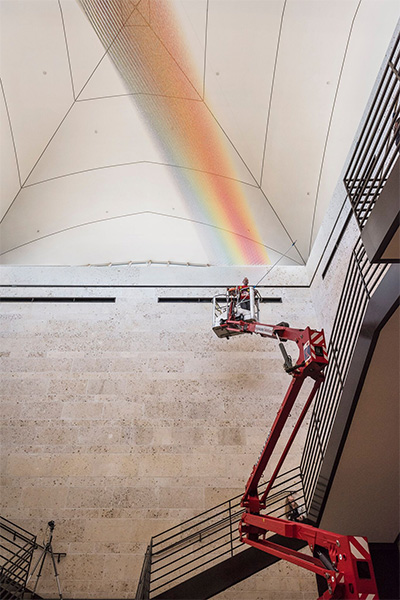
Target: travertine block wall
123,419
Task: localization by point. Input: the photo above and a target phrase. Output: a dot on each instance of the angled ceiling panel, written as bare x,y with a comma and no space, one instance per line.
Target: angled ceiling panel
91,196
106,132
314,36
35,74
242,43
80,200
123,240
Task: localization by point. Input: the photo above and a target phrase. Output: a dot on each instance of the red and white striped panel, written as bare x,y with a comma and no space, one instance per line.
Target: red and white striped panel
360,551
359,548
317,337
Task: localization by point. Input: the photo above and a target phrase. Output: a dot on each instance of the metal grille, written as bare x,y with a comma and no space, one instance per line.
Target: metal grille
378,145
16,550
207,539
360,283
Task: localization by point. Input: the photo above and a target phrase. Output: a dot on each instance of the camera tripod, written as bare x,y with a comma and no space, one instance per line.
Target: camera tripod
40,562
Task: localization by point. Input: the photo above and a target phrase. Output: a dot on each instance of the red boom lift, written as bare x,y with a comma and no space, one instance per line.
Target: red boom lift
343,561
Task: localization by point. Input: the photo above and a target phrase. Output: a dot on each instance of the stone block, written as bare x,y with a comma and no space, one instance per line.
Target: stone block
122,567
19,385
161,465
65,386
115,465
182,497
89,498
82,410
48,466
109,387
47,497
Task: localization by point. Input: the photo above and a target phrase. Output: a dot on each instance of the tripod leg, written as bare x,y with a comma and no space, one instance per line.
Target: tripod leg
35,567
55,572
43,557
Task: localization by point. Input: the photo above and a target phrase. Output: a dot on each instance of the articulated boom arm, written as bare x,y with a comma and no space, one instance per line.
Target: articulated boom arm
343,561
311,361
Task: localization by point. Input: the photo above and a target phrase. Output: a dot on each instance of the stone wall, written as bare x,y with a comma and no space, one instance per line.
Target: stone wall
123,419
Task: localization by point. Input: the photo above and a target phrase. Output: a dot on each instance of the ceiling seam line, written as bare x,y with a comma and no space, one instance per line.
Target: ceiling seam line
147,212
67,49
330,123
205,51
139,162
140,94
271,93
12,137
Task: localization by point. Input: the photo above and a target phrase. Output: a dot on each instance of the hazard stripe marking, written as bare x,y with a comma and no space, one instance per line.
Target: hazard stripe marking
355,552
363,543
361,547
319,340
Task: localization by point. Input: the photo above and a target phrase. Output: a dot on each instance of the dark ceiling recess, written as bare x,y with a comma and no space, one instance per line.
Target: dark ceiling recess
208,300
50,299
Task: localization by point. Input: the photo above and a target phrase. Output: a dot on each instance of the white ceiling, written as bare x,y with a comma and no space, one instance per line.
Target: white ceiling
202,131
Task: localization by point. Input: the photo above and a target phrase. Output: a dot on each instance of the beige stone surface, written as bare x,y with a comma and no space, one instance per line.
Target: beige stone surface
122,420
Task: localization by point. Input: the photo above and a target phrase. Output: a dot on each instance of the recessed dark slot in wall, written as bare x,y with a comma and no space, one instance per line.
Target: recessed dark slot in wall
49,299
336,246
205,300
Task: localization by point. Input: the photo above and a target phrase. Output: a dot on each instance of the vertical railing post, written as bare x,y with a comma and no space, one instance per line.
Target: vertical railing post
148,573
230,527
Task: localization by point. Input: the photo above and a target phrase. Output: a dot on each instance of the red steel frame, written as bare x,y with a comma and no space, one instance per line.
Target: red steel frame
346,562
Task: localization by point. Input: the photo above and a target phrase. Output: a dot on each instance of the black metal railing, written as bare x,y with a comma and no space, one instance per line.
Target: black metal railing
16,551
378,145
203,541
360,283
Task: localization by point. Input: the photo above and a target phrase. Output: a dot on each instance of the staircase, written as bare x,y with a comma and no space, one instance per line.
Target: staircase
16,550
204,556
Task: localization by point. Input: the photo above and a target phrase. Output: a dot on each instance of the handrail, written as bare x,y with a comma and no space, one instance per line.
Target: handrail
361,280
16,550
204,540
378,144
